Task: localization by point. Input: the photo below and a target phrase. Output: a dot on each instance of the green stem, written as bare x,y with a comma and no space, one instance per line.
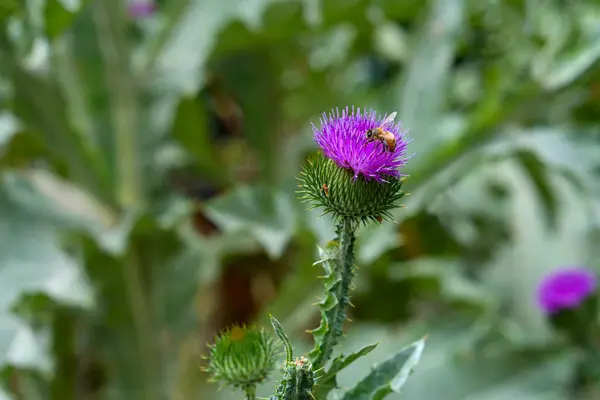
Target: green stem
77,104
250,392
111,25
337,314
142,324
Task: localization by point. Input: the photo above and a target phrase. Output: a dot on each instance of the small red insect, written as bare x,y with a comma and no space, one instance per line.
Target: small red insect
326,189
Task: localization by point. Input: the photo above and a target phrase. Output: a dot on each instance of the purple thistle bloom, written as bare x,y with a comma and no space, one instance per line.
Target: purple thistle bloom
343,139
141,8
565,289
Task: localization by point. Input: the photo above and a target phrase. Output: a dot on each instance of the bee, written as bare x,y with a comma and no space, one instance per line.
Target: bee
325,189
387,138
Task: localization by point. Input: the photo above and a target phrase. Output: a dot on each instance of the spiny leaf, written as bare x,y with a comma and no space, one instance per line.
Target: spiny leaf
328,381
289,352
331,280
389,376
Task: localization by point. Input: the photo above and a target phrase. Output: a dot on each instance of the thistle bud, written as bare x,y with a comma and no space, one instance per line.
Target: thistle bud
356,175
298,381
242,357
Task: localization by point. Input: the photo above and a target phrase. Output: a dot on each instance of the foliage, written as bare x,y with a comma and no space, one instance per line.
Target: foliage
147,191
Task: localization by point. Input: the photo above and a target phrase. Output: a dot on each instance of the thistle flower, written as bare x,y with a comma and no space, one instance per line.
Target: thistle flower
141,8
352,177
566,288
242,357
343,140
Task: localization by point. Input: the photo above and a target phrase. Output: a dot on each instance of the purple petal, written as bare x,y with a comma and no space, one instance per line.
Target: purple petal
342,137
565,288
141,8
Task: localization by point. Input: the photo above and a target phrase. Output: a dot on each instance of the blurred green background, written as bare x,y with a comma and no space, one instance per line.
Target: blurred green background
147,191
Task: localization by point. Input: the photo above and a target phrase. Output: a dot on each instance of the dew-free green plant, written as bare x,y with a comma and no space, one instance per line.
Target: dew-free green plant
356,181
242,358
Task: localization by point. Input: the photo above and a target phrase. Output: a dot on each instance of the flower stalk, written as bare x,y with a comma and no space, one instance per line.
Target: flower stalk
328,334
250,392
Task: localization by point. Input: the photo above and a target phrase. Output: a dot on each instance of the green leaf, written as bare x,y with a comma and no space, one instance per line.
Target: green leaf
57,18
40,105
4,395
327,381
422,98
389,376
381,239
9,126
454,286
456,367
8,8
570,66
541,180
190,128
180,51
266,214
46,269
52,198
289,352
544,152
551,146
65,205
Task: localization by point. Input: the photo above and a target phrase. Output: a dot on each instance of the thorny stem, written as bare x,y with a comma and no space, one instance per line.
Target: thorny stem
345,264
250,392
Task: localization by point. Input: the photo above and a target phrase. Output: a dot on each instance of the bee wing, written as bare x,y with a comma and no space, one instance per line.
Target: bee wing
388,120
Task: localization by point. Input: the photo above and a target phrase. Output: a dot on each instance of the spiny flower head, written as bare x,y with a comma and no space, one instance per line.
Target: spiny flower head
343,139
242,357
353,177
298,381
565,288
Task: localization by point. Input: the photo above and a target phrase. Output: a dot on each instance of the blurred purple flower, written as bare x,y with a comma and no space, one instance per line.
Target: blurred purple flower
141,8
565,288
343,140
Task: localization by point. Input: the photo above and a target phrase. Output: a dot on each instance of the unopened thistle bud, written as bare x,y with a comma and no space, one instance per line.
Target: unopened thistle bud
356,175
298,381
242,357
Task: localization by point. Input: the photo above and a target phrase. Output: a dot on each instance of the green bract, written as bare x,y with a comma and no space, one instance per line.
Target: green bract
325,184
242,357
298,381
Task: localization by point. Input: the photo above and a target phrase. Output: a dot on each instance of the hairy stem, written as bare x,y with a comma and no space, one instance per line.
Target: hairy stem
336,316
250,392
